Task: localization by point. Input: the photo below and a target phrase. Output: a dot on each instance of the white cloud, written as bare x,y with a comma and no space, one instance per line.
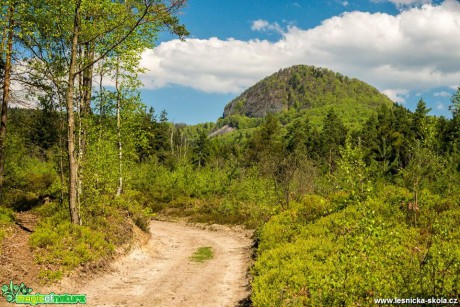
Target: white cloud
265,26
415,50
440,106
397,95
405,3
345,3
442,94
409,2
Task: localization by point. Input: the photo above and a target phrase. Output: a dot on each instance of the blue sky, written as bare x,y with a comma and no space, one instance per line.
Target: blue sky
407,49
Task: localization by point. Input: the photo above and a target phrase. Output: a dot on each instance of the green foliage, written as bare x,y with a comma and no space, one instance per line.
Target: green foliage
63,246
201,149
6,219
333,136
49,276
28,181
239,122
354,255
352,174
455,99
67,245
313,89
207,194
354,198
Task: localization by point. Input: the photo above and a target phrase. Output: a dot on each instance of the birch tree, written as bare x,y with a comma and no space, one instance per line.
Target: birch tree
86,32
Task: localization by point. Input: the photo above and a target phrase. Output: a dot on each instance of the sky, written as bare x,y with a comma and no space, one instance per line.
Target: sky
407,49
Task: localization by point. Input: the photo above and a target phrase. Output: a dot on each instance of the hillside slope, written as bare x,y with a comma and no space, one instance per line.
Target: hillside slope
309,88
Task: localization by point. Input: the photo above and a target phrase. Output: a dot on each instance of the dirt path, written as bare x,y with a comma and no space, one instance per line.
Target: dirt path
161,273
16,258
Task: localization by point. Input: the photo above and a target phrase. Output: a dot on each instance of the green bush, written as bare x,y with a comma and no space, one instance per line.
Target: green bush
69,245
27,181
63,246
365,251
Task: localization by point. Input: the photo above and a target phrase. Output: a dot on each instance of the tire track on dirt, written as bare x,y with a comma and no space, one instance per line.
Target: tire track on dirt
161,273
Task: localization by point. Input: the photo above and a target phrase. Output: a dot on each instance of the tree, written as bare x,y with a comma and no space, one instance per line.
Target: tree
201,149
267,139
161,142
99,30
423,167
6,54
351,168
421,122
455,99
333,136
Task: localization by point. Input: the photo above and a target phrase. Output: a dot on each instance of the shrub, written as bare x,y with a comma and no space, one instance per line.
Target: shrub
354,255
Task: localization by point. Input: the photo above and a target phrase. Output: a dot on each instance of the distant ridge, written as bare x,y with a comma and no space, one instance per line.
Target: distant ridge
303,87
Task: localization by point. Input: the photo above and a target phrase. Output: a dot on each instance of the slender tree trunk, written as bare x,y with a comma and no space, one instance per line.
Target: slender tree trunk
6,93
61,150
120,145
101,116
73,167
79,133
85,106
172,140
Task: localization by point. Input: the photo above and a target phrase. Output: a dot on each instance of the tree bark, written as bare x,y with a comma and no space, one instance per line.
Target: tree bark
120,145
6,93
73,167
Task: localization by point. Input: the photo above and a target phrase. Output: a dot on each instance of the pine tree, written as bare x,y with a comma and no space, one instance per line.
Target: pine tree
332,137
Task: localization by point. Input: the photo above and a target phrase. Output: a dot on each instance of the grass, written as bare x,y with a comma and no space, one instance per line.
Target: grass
61,246
202,254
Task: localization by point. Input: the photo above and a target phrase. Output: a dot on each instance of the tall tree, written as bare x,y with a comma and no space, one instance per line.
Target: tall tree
333,136
421,122
6,58
201,149
99,30
455,99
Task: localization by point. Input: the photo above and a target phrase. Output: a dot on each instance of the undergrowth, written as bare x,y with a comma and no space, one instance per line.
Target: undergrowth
350,252
6,219
60,246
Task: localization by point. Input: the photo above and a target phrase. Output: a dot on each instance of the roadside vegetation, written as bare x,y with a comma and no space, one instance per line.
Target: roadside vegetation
352,198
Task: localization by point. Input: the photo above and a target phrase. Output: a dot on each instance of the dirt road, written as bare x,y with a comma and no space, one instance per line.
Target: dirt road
161,273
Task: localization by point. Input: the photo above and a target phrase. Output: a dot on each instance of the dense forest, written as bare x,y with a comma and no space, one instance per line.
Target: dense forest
347,206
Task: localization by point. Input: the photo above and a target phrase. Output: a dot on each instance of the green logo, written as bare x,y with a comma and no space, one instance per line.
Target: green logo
21,294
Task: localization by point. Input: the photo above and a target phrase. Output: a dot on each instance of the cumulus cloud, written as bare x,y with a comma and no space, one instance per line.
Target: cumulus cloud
265,26
397,95
415,50
405,3
402,3
442,94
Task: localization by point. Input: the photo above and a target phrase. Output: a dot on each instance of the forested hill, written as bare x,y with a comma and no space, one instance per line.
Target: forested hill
307,87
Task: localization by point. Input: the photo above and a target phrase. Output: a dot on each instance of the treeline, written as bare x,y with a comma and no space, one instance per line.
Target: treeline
364,214
344,216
